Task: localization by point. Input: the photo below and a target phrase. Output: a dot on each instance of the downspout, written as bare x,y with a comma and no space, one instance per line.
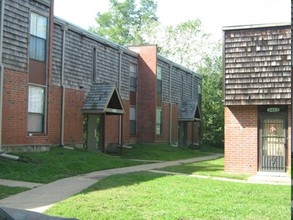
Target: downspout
1,69
170,106
291,79
192,123
1,100
64,28
119,90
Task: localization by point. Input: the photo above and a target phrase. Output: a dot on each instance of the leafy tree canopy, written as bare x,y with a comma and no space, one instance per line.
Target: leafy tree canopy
212,106
125,21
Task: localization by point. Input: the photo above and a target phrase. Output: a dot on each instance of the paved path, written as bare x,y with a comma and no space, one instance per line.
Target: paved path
41,198
13,183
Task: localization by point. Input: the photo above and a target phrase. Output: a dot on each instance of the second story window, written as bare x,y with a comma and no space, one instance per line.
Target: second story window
133,77
38,37
159,80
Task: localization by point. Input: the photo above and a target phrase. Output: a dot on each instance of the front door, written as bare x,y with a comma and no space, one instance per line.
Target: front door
182,134
94,132
272,152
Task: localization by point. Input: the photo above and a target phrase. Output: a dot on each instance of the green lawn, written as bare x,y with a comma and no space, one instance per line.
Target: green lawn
45,167
6,191
207,168
146,195
166,152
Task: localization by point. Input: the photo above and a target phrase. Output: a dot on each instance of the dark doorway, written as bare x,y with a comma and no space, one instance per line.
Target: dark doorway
94,132
182,134
272,142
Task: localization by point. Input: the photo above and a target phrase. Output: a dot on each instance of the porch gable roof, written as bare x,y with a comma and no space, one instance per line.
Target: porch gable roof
103,98
189,111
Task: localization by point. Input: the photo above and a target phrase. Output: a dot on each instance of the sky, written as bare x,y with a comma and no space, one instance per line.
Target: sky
214,14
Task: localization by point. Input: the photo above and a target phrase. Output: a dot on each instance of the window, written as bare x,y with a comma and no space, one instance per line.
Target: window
199,88
38,36
36,108
158,121
94,64
133,76
132,118
159,80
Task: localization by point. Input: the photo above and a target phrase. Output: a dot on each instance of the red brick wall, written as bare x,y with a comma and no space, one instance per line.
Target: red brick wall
175,115
15,113
146,92
54,114
112,128
241,141
73,120
14,120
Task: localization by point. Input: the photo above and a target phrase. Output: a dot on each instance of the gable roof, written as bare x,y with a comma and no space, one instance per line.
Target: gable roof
103,98
189,111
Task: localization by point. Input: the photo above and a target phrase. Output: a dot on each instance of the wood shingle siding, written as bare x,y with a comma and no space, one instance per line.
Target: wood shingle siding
80,47
179,77
16,31
257,65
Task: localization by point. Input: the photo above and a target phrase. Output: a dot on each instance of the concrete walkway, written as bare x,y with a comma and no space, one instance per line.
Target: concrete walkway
42,197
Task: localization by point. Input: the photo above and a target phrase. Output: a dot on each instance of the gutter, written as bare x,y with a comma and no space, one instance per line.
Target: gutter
291,77
62,86
1,99
1,69
170,106
119,90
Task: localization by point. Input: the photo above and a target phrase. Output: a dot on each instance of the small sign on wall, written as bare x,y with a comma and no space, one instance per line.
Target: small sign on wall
273,109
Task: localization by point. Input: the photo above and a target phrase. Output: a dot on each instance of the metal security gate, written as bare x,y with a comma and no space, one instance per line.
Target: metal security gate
272,144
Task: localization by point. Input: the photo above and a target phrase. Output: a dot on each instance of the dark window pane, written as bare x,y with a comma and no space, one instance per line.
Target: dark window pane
132,127
37,48
159,86
133,84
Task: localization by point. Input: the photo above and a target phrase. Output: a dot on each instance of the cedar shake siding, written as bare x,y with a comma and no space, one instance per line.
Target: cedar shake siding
257,66
55,87
257,98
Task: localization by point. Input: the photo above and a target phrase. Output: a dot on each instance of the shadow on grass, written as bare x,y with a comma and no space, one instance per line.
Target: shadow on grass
124,180
129,179
213,168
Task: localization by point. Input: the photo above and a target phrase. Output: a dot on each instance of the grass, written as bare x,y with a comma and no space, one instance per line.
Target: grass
146,195
166,152
58,163
6,191
45,167
208,168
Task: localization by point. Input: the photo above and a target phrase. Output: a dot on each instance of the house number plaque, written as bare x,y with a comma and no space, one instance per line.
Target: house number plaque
273,109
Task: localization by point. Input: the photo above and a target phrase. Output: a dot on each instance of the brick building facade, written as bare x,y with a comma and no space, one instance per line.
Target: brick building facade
257,98
62,85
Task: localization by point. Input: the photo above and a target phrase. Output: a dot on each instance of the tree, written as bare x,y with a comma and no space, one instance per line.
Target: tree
185,43
188,45
125,21
212,106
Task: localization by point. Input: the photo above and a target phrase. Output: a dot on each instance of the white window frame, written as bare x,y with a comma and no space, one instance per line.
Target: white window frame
38,37
132,76
159,121
36,109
